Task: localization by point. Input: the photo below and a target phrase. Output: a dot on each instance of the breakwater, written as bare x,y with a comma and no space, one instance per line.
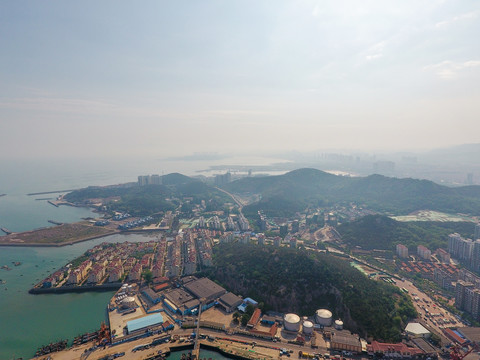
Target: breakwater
75,289
50,192
6,231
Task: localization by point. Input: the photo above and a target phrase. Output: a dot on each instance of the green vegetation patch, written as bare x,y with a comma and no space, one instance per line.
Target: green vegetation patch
288,280
382,232
314,188
151,199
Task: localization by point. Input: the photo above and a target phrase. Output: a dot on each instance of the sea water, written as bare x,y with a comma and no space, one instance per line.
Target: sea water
30,321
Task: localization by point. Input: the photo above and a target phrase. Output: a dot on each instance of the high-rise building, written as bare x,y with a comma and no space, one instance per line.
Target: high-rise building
476,236
149,180
460,290
443,279
423,252
293,242
277,241
295,226
459,247
402,251
223,179
475,261
443,256
261,239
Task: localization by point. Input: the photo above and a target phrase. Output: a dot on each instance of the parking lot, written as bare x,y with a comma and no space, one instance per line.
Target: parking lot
430,314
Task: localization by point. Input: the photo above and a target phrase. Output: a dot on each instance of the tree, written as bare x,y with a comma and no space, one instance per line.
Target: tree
236,316
147,276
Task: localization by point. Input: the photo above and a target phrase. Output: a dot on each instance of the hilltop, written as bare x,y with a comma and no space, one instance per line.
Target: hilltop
289,280
286,194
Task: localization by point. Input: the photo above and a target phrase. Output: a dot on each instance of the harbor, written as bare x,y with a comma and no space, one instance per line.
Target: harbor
28,312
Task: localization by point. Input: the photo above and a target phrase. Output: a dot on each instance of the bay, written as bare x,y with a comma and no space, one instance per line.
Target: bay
29,321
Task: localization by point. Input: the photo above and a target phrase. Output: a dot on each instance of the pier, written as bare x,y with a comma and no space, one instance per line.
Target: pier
55,222
50,192
75,289
6,231
196,346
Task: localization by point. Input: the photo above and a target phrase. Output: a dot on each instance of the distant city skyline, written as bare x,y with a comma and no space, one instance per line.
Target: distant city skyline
174,78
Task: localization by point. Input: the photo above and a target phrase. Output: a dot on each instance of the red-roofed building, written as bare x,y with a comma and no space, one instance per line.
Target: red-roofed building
254,319
161,287
270,334
453,336
392,350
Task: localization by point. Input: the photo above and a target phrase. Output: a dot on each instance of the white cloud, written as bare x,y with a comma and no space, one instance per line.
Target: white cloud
450,70
373,56
466,16
375,51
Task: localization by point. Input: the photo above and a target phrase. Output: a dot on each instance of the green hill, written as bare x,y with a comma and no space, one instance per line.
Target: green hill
289,280
382,232
309,187
150,199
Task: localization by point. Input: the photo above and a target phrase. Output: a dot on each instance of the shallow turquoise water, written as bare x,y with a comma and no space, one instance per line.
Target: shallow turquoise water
29,321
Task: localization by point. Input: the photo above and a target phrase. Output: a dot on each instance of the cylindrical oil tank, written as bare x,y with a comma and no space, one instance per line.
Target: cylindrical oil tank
291,322
338,324
323,317
307,327
129,302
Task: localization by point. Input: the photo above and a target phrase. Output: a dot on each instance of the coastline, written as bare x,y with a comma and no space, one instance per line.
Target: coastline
75,289
25,244
113,232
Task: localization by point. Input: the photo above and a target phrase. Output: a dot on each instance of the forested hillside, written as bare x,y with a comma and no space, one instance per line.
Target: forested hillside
298,189
149,199
382,232
289,280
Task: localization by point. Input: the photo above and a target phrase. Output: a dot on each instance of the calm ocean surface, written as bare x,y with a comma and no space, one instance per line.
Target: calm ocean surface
29,321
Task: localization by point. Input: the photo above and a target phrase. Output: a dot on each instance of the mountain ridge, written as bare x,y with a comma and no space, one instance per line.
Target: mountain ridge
311,187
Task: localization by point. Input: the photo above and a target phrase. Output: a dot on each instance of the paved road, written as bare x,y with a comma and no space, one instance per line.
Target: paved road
431,315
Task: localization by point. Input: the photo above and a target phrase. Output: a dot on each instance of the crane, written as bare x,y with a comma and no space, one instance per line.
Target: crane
457,354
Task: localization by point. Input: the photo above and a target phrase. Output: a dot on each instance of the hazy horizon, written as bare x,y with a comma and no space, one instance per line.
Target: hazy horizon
166,79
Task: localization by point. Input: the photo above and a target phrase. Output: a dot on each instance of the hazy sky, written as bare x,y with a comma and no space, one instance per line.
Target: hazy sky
165,77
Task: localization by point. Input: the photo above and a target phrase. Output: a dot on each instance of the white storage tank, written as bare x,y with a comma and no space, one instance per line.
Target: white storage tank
338,324
307,327
323,317
129,302
291,322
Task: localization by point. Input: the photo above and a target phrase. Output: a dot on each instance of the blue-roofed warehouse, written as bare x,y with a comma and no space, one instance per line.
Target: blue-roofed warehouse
144,323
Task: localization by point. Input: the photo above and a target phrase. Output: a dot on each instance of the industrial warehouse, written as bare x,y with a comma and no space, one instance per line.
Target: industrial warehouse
184,312
136,313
